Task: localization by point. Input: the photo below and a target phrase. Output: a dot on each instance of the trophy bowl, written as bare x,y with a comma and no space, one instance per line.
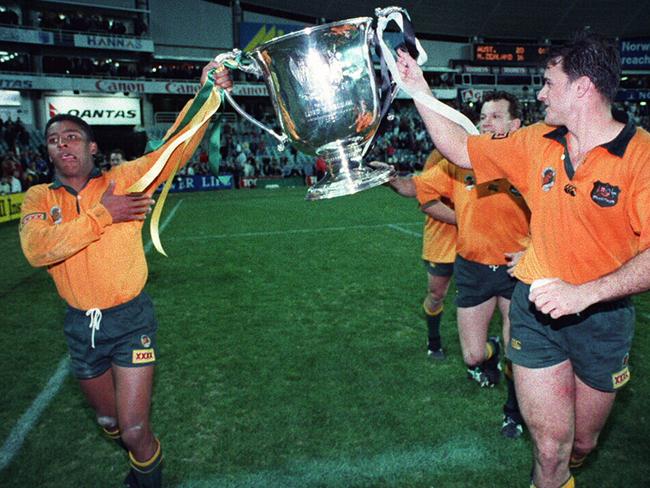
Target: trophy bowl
323,88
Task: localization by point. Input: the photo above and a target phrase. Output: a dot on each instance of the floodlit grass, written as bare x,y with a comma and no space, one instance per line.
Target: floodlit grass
292,354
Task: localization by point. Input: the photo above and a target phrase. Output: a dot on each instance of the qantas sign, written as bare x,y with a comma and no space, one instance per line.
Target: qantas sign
97,110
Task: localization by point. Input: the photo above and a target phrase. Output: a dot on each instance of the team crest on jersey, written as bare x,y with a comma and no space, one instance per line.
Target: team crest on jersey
604,194
514,191
470,182
548,178
141,356
145,340
55,213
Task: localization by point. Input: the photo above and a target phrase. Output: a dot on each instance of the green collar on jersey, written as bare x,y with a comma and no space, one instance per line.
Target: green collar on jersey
616,146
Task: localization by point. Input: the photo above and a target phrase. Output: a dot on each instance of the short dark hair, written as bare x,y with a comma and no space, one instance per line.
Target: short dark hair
81,123
593,56
514,107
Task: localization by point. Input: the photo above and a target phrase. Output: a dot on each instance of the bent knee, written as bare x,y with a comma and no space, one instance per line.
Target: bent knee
432,304
582,447
106,421
474,358
133,434
551,453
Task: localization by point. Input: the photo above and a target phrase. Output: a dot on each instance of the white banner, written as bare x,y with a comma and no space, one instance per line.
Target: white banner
9,98
29,36
97,110
113,42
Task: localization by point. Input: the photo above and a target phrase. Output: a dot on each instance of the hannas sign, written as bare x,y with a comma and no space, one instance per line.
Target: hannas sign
97,110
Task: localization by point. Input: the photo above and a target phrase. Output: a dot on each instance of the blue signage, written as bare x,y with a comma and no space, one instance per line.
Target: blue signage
201,183
635,54
633,96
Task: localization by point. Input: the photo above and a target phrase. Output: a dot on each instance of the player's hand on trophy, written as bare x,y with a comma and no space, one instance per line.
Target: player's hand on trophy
411,74
222,77
380,165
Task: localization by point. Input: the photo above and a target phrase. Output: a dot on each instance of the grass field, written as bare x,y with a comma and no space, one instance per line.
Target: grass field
292,354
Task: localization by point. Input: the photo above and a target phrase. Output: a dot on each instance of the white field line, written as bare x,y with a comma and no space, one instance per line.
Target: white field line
17,436
399,228
208,237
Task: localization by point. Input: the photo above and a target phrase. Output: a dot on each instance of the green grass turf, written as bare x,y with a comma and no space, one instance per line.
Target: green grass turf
292,354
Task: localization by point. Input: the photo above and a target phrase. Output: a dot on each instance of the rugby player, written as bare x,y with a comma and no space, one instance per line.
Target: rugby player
492,228
585,176
86,230
438,254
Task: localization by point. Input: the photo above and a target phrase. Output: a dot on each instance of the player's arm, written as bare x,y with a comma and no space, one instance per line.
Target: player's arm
559,298
44,242
403,185
200,120
448,137
439,211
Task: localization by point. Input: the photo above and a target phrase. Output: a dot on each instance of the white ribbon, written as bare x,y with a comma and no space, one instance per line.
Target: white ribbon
430,102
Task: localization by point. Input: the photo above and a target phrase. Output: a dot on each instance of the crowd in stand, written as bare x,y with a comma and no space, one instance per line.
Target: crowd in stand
80,22
247,152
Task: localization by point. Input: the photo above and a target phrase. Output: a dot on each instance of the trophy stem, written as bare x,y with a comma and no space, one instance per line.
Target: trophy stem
346,174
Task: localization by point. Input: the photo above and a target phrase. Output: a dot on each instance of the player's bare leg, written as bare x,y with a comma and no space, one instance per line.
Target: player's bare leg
473,325
133,391
592,409
512,426
437,287
100,394
481,355
547,399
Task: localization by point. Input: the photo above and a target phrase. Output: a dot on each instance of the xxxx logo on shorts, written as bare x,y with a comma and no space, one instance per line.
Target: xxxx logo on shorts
619,379
141,356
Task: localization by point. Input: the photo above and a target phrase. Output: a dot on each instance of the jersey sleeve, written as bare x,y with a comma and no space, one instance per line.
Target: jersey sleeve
128,173
501,156
434,183
45,243
639,208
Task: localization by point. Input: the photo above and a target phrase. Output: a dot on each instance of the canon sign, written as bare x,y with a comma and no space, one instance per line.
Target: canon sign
97,110
113,86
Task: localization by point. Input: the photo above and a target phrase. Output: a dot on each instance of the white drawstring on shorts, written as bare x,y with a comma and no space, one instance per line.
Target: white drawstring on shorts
95,319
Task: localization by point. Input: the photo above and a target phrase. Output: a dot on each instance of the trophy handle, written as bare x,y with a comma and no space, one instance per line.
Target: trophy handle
233,60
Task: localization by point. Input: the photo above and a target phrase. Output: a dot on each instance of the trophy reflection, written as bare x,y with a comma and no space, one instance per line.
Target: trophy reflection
323,88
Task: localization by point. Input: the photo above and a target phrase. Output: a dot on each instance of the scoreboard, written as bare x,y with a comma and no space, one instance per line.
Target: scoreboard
510,54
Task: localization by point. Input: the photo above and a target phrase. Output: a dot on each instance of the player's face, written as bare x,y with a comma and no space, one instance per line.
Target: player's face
496,119
556,94
69,149
116,159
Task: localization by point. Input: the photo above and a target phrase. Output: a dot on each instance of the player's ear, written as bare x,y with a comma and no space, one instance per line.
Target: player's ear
93,148
515,124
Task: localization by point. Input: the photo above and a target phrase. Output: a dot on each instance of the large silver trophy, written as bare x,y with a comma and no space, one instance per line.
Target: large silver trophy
322,84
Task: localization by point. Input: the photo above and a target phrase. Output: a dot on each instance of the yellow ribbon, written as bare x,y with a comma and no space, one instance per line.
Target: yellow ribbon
150,176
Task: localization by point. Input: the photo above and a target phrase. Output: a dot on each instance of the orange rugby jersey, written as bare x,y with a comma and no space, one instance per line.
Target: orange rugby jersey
583,225
439,238
93,262
492,218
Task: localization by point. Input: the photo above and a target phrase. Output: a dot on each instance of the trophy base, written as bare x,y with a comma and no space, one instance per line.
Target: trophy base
347,183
